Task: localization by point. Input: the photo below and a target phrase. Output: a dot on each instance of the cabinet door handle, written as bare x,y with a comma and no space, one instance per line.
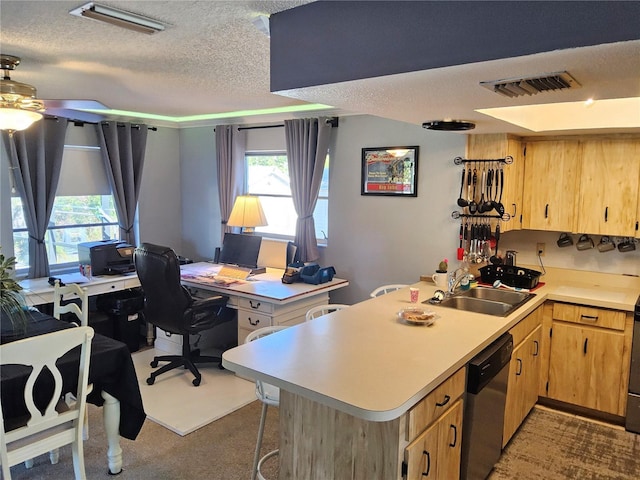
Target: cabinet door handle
455,435
444,402
606,213
254,323
256,306
515,207
590,318
519,372
427,466
586,341
535,342
546,211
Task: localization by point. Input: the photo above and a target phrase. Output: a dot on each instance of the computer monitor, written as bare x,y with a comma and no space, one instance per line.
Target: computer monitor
241,250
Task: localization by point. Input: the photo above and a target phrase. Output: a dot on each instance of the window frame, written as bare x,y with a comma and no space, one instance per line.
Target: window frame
321,240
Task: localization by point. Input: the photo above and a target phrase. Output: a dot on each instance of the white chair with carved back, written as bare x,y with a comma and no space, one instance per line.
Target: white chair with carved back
386,289
70,292
319,310
269,395
48,430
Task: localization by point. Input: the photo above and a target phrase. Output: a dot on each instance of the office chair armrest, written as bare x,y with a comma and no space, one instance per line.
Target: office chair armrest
208,303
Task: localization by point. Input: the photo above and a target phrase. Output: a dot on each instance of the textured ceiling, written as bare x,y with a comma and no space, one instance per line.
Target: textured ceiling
212,59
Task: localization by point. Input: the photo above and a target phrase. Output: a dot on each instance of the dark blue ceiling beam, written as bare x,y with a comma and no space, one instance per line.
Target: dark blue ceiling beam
334,41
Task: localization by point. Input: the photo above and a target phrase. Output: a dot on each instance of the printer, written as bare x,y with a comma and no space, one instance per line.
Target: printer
107,257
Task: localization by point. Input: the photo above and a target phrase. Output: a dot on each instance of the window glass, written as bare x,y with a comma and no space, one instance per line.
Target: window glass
74,219
268,178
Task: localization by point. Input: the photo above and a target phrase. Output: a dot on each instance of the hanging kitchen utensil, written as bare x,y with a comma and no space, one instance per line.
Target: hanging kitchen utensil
461,201
565,240
495,259
584,242
472,244
487,206
473,206
483,185
460,255
499,206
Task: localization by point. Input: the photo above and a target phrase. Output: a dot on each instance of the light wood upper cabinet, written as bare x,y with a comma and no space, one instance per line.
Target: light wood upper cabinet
500,145
609,181
551,185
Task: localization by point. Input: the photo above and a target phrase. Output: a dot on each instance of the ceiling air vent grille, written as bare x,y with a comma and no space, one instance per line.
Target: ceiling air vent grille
517,87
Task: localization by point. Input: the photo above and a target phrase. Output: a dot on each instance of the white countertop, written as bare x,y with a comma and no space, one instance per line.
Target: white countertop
365,362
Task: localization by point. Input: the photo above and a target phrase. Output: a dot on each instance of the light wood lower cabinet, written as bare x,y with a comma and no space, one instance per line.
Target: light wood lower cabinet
588,357
522,388
435,454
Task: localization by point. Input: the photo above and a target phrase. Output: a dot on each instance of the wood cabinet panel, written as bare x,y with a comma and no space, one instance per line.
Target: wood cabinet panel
522,388
434,404
435,454
500,145
595,317
609,187
585,366
551,185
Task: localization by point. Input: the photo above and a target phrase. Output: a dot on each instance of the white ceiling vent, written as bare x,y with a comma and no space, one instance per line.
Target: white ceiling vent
517,87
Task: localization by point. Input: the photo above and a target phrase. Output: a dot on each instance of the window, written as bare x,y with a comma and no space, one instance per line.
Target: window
83,210
268,178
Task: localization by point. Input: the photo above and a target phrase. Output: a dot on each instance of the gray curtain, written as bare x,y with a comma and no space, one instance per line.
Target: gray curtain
36,157
122,146
231,144
307,145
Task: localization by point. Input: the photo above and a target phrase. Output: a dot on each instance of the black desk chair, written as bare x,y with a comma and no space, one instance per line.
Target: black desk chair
170,306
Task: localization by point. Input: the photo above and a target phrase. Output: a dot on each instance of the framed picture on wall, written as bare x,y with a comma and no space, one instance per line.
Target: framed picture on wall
390,171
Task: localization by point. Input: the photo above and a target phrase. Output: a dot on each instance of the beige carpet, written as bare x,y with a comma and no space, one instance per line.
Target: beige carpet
173,402
554,445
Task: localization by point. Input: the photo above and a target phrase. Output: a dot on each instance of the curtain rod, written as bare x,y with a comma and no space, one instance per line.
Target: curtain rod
333,121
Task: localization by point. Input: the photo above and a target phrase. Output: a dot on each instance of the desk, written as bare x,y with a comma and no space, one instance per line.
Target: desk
37,291
111,371
263,300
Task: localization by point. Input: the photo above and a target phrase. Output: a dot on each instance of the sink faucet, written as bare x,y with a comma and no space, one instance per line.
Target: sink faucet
455,280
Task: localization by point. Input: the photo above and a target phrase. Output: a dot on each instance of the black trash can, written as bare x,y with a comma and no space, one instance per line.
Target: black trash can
125,308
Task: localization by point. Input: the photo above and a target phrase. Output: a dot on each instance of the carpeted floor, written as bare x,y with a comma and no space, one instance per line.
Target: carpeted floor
554,445
549,446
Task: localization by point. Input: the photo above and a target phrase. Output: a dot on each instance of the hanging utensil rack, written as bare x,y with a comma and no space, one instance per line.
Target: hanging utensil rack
456,215
508,160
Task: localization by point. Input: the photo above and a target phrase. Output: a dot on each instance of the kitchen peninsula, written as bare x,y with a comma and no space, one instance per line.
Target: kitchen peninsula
349,379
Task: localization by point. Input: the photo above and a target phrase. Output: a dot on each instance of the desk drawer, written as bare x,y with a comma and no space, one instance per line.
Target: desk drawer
259,306
252,320
106,287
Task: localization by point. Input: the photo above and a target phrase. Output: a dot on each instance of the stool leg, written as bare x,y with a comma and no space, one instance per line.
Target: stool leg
256,457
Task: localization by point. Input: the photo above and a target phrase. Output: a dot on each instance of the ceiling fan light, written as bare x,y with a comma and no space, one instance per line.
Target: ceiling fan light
16,119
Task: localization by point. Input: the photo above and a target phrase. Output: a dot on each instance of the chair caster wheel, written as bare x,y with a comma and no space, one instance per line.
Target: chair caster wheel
196,382
154,363
150,381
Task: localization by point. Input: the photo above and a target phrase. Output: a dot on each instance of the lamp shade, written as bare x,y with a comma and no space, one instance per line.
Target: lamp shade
247,213
17,118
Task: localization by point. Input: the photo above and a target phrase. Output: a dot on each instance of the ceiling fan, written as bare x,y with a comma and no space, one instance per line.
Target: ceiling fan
19,106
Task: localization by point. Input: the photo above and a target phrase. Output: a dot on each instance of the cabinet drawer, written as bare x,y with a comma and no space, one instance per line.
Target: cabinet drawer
435,404
97,289
252,320
526,326
597,317
256,305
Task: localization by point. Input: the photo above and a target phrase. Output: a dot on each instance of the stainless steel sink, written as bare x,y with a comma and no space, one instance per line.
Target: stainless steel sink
488,301
496,295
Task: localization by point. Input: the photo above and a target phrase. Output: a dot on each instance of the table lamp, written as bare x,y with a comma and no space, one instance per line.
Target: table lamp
247,214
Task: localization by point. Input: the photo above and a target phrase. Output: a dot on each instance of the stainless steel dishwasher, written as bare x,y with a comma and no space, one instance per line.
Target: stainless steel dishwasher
632,422
487,376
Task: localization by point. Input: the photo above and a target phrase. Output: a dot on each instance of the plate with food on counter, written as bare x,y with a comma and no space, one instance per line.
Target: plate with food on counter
417,316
